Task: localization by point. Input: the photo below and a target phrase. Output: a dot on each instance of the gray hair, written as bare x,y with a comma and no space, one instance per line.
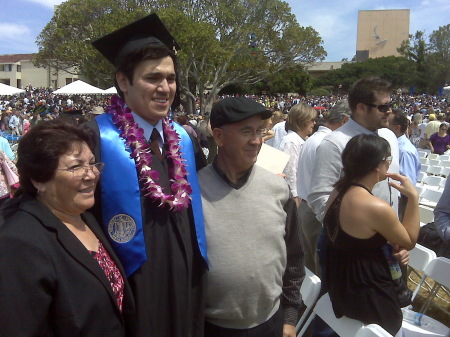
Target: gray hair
339,111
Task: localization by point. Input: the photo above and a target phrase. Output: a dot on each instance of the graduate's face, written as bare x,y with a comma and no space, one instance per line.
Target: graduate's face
153,89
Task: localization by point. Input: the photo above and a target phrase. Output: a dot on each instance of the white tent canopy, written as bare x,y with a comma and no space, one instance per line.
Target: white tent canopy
9,90
79,88
110,91
446,90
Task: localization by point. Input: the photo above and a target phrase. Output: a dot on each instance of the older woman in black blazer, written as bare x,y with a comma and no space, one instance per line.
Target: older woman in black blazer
59,275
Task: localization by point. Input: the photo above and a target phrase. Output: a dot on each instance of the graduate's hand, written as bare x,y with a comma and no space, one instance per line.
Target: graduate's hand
289,330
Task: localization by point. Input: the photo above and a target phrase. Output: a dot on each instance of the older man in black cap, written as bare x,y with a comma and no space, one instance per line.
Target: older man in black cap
149,199
254,245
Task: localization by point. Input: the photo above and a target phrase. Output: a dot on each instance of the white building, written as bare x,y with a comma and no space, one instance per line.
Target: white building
18,71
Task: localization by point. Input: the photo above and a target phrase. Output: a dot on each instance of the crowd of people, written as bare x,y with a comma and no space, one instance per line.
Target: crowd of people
120,227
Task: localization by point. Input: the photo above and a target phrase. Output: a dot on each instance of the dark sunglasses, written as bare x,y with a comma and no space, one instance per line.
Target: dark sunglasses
381,107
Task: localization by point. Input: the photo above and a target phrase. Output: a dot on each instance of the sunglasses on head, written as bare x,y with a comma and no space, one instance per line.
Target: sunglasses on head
381,107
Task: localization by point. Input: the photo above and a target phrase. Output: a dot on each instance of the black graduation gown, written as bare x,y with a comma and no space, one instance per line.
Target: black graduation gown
169,288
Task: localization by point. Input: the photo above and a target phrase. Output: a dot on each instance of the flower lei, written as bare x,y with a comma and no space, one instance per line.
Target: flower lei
134,138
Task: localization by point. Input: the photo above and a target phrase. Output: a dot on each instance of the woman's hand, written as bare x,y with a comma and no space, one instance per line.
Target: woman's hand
401,254
405,187
289,330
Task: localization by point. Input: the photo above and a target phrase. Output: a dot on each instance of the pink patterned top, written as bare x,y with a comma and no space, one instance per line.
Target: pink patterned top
111,271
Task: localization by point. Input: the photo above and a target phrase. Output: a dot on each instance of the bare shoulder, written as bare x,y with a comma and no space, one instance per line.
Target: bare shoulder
367,207
380,213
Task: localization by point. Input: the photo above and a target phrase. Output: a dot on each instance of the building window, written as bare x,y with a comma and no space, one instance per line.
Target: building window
19,68
6,67
19,83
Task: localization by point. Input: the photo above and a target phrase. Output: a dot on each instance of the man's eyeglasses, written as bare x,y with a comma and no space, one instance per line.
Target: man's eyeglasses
381,107
81,171
388,160
249,133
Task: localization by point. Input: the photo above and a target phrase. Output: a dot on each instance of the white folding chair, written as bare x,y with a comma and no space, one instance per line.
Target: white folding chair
423,160
310,291
426,215
430,197
445,163
424,168
420,189
444,157
419,258
434,162
433,156
434,170
344,326
372,330
439,270
433,181
422,154
445,172
421,177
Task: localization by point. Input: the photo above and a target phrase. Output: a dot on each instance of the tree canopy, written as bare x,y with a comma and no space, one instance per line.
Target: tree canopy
395,69
431,58
225,42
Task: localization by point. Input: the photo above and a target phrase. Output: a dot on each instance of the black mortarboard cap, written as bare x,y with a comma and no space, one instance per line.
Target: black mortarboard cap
235,109
146,31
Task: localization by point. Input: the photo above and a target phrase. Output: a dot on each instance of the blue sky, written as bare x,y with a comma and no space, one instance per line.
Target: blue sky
22,20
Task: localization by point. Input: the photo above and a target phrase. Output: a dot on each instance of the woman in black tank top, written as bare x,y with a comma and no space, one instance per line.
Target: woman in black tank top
357,226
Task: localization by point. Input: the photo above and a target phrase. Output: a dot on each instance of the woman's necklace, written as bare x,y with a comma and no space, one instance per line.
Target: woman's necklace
134,138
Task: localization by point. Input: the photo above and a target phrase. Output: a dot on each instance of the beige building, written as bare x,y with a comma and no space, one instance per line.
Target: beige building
323,67
18,71
381,32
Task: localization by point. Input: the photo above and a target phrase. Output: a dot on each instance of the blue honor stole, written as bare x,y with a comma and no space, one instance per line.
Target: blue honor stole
121,195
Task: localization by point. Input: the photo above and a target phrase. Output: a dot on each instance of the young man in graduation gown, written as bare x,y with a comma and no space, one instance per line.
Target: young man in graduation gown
148,200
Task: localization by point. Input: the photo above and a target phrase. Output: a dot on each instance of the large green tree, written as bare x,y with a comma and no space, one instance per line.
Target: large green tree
65,42
439,57
223,42
395,69
416,49
431,57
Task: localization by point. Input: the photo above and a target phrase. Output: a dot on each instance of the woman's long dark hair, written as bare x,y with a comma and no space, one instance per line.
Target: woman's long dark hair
362,154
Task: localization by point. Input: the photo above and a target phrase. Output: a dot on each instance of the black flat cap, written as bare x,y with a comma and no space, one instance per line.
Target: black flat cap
236,109
147,31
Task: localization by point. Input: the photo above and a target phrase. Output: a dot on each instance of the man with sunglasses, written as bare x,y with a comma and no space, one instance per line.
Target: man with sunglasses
369,101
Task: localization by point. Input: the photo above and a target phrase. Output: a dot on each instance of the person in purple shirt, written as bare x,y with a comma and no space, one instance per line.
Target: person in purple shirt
440,141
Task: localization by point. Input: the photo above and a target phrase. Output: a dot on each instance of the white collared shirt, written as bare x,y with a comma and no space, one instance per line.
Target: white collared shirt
306,161
148,128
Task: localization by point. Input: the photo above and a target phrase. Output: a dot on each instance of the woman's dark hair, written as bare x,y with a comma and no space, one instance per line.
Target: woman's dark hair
129,62
40,149
362,154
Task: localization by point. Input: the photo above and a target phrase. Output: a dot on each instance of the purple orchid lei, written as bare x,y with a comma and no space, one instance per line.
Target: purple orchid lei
134,138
